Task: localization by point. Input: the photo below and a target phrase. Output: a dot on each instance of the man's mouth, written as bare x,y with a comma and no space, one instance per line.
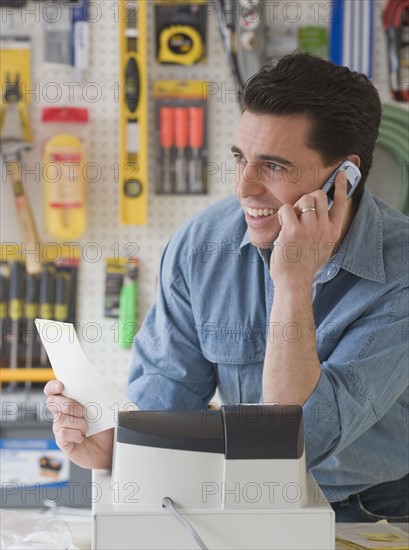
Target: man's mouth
260,212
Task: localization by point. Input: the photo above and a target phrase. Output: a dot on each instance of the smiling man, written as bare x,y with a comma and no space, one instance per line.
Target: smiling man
268,296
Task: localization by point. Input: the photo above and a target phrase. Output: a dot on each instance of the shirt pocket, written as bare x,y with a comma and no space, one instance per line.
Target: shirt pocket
239,345
238,355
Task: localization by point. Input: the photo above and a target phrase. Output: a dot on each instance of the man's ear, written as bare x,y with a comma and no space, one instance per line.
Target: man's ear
355,159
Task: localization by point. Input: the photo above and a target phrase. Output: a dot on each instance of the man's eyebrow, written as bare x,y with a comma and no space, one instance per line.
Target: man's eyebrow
271,158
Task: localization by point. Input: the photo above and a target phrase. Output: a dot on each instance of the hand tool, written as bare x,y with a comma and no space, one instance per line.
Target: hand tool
396,25
16,313
14,69
47,295
180,44
30,313
242,25
12,100
181,142
227,15
128,306
80,38
196,127
133,155
11,151
62,286
4,296
167,129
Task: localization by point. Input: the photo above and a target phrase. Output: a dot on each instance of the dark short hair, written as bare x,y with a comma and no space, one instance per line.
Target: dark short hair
344,106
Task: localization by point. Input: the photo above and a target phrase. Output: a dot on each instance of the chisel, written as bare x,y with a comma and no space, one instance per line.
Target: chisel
181,141
30,313
4,296
16,313
62,285
167,121
196,115
46,308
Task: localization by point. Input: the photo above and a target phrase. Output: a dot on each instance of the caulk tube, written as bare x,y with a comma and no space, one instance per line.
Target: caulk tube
80,38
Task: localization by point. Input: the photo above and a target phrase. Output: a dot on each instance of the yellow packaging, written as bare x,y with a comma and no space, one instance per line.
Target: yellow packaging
64,187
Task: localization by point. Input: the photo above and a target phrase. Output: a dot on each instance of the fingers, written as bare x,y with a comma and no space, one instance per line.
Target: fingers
316,200
69,426
53,387
287,215
58,404
339,207
69,429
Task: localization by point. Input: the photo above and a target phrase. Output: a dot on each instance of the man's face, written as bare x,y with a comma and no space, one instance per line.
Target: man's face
274,167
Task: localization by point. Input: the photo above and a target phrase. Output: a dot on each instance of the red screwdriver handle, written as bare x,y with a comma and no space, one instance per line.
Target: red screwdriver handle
167,127
181,127
196,117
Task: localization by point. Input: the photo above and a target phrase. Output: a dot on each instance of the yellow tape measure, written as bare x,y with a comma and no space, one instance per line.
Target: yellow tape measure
180,44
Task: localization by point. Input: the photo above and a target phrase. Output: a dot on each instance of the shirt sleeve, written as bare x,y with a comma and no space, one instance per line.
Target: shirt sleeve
360,381
168,369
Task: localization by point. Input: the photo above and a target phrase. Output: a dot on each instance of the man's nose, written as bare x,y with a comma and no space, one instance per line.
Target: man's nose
249,180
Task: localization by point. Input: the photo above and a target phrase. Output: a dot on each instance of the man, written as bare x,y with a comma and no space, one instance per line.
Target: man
269,296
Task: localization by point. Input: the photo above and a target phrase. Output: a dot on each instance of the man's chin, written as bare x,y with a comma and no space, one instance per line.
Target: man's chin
263,241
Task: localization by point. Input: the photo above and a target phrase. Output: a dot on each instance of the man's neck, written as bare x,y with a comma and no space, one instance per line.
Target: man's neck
352,208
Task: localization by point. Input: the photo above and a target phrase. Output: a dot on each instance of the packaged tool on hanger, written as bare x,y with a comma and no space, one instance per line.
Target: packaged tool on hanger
181,150
351,35
66,37
24,297
121,296
16,135
15,97
396,25
180,31
243,29
133,113
64,171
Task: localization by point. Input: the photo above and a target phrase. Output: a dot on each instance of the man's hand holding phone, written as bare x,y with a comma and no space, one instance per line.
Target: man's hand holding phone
310,229
69,429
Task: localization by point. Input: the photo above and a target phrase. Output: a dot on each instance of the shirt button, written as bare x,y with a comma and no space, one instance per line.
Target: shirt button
331,271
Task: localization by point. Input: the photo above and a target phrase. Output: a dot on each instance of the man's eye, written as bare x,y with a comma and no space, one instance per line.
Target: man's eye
274,167
238,158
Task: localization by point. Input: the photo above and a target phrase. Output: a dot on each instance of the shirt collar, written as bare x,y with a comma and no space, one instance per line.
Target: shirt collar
363,243
361,251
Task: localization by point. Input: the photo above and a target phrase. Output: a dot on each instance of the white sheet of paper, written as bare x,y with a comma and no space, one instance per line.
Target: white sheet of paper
82,382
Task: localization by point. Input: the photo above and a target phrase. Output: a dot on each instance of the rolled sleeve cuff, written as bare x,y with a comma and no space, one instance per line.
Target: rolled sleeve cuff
322,422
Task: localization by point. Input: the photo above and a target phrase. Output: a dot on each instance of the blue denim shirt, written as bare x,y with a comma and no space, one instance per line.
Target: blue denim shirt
209,326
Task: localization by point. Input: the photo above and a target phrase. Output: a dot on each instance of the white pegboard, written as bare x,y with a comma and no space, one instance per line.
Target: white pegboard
165,213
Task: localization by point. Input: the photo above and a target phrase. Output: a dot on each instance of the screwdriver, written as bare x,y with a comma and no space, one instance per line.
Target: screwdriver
196,116
62,284
30,313
4,295
167,124
16,312
46,309
181,140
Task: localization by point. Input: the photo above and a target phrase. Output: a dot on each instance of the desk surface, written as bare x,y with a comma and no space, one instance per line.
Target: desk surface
81,527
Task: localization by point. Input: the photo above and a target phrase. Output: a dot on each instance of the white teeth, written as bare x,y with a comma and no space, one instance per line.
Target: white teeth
255,213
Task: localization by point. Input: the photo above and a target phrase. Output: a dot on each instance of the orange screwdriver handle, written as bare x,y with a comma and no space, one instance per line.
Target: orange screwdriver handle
196,117
181,127
167,126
